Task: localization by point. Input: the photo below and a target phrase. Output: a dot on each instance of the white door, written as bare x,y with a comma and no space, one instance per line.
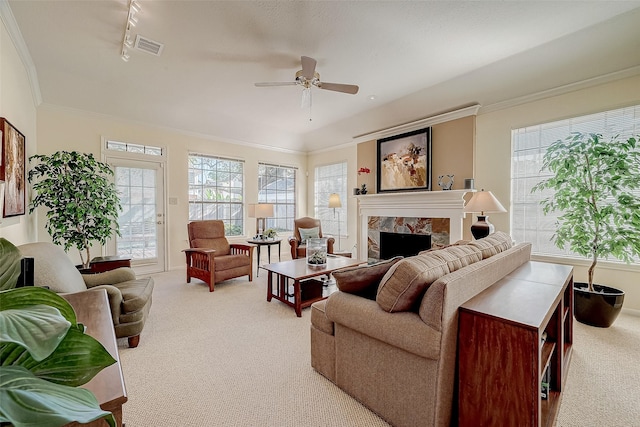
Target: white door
142,224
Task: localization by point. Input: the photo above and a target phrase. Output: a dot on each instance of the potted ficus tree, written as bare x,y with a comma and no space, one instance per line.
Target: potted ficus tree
594,187
46,355
81,198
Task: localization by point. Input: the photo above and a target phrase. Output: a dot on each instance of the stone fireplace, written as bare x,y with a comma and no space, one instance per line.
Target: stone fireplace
433,218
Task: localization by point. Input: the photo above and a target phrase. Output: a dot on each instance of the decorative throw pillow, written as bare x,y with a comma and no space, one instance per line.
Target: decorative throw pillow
309,233
363,280
506,242
493,244
458,257
406,281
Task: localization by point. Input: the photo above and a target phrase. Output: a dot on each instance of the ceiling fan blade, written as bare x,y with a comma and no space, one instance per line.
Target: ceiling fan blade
308,67
352,89
267,84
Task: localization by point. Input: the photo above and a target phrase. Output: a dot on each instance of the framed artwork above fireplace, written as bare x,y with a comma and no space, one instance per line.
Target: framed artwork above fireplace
404,162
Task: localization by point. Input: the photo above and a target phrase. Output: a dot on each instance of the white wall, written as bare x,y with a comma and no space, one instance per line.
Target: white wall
493,158
17,106
62,129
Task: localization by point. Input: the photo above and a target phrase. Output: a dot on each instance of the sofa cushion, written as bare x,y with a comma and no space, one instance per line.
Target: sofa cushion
227,262
309,233
458,257
503,239
220,245
135,294
493,244
363,280
110,277
407,280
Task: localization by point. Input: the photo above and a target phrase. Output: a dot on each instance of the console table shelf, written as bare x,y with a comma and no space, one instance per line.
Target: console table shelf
510,335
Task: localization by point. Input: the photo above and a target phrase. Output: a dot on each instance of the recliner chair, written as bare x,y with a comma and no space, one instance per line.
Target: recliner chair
211,258
129,298
298,246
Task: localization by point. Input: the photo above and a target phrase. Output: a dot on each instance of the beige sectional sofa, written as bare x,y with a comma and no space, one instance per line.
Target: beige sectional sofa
388,336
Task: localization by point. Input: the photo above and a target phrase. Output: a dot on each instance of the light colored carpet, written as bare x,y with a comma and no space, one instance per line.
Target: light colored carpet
230,358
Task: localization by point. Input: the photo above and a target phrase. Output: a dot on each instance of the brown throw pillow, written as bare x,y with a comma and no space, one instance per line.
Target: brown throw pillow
363,280
406,281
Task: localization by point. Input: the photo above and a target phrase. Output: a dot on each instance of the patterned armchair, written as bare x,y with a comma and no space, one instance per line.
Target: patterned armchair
297,241
211,258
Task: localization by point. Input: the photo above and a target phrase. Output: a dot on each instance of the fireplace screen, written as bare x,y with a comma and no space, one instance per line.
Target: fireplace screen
394,244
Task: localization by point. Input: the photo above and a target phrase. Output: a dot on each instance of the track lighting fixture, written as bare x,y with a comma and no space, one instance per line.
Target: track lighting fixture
134,7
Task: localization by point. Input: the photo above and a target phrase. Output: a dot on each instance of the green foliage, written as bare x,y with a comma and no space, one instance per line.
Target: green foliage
81,199
44,355
593,182
9,264
270,233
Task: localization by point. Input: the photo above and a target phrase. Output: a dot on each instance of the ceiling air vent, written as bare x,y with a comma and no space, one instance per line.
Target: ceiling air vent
147,45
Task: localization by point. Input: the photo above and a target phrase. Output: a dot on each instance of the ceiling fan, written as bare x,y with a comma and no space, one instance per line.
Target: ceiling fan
308,77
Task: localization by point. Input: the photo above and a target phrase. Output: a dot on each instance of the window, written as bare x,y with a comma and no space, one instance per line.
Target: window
277,185
134,148
331,179
216,191
528,222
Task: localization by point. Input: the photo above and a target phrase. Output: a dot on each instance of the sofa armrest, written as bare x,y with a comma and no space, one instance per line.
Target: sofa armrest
115,300
404,330
118,275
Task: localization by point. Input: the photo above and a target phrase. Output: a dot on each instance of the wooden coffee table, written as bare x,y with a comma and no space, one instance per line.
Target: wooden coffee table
306,289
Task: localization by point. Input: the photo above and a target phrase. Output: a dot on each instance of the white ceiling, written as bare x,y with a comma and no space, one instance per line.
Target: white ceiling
418,58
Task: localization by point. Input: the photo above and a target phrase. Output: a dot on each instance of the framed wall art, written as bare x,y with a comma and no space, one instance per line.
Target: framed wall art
12,169
404,162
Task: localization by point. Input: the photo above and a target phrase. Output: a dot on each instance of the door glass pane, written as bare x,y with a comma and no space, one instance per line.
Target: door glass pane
137,220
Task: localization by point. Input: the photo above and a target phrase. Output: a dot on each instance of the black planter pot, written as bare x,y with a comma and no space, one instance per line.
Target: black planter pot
599,308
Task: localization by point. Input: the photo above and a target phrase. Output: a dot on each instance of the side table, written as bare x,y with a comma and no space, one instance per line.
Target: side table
110,262
268,243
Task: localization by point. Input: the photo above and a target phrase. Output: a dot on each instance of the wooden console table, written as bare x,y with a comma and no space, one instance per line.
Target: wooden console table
92,310
509,337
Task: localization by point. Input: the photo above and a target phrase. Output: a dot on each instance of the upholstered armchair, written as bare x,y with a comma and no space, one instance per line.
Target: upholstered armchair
308,227
129,297
211,258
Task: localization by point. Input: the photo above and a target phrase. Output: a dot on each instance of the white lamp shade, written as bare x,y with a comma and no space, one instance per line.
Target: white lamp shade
252,210
334,201
484,201
263,210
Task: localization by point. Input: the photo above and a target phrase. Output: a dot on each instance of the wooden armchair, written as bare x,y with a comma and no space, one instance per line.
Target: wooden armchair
211,258
298,246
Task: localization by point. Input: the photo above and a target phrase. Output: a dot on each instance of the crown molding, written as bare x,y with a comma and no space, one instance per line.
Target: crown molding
561,90
21,47
459,113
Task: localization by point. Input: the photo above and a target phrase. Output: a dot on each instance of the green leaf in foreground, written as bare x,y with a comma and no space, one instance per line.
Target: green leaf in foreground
31,402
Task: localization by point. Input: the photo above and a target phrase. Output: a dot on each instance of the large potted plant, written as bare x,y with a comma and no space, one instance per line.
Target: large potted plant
81,198
45,355
593,186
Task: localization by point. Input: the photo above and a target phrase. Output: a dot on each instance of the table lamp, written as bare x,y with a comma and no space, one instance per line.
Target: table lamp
334,202
262,211
483,201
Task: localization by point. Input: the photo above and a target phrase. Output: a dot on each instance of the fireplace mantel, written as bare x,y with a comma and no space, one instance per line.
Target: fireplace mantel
429,204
